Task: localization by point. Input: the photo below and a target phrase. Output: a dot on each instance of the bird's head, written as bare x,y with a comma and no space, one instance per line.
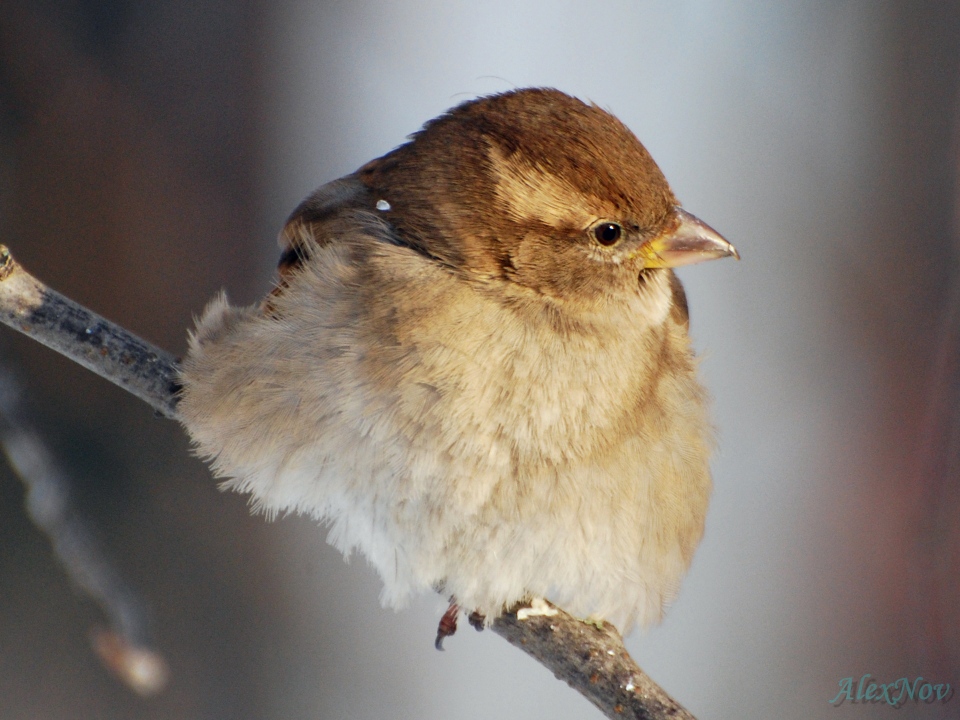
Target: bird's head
543,191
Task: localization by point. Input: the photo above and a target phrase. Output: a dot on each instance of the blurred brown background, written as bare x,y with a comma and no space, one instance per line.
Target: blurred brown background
150,149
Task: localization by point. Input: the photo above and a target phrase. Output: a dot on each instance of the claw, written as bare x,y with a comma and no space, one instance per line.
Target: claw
447,625
476,620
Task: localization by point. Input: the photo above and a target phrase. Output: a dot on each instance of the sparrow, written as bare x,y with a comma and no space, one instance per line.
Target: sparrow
475,367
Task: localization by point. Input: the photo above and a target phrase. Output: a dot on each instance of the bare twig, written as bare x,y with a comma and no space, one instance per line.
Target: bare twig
593,661
27,305
125,648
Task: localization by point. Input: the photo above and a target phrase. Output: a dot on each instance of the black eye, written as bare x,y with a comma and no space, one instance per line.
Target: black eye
607,233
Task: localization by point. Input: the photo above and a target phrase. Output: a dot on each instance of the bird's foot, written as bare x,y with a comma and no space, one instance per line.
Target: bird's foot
538,607
477,620
447,626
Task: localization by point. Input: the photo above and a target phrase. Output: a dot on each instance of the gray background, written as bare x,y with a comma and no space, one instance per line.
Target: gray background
149,152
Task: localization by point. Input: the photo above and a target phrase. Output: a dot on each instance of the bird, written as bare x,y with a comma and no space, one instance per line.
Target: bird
475,368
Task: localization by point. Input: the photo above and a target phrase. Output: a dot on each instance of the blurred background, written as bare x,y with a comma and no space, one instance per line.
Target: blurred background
151,149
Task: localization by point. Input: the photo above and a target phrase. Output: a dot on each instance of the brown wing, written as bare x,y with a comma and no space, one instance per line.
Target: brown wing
304,229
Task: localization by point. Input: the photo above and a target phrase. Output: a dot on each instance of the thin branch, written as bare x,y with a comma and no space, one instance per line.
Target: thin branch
27,305
125,648
591,660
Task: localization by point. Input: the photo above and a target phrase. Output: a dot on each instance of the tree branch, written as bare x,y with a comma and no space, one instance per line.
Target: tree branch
126,648
591,660
27,305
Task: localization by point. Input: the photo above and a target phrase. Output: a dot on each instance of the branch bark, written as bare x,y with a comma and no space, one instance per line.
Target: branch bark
591,659
27,305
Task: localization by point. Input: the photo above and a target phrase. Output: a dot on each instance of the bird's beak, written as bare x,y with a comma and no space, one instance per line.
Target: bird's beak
685,240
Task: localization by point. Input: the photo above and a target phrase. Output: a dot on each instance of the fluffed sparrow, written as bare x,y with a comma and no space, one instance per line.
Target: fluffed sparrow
475,366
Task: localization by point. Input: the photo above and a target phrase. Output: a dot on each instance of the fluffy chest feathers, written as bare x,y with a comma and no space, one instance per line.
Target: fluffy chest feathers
439,429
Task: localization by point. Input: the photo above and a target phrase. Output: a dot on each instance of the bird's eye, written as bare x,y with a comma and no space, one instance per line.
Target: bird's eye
607,233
